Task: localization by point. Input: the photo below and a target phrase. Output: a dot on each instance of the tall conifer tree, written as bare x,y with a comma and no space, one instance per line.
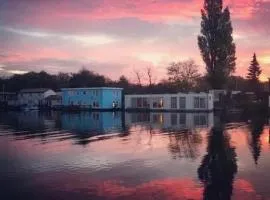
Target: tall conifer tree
254,71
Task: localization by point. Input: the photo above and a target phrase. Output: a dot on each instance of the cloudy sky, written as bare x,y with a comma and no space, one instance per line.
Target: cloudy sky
115,37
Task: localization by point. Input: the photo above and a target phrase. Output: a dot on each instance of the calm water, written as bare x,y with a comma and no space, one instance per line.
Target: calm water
164,156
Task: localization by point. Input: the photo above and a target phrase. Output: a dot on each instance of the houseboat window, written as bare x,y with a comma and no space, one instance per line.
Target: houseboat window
145,103
196,102
182,102
173,102
84,92
133,103
202,103
139,102
70,93
158,103
199,102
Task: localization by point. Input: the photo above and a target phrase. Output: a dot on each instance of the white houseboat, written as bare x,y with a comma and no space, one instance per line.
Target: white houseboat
170,102
31,99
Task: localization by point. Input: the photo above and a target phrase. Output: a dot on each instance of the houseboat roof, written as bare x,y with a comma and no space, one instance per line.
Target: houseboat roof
34,90
93,88
54,97
171,94
8,93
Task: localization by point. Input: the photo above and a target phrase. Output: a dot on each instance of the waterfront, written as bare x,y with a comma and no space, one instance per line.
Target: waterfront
114,155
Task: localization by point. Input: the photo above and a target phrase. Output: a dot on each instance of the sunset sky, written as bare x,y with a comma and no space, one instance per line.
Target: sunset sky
115,37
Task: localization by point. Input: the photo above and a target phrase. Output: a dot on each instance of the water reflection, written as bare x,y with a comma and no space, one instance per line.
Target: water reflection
86,125
172,121
133,156
30,122
184,137
92,122
256,127
184,144
219,166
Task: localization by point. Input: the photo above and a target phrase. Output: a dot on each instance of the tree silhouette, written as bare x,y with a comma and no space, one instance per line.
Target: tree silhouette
218,166
183,75
256,129
86,78
254,72
216,43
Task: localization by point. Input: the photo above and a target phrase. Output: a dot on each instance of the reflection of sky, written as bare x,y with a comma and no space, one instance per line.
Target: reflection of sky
136,166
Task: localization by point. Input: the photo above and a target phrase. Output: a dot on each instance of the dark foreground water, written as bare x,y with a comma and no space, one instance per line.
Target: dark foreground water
164,156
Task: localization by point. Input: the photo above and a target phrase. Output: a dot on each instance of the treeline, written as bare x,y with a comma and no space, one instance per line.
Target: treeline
85,78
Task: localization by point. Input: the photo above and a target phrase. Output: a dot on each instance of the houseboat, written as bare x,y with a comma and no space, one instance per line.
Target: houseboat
8,100
96,98
32,99
170,102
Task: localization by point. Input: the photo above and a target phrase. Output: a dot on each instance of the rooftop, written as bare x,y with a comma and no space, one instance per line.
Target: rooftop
34,90
93,88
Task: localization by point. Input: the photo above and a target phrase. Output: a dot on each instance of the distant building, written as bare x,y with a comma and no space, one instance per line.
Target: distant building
33,97
8,98
93,98
170,102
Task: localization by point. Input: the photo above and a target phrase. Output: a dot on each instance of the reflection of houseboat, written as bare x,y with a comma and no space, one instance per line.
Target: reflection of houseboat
92,98
91,121
170,102
171,120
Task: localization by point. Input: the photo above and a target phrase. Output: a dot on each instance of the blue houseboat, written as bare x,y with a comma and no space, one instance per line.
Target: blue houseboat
103,98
